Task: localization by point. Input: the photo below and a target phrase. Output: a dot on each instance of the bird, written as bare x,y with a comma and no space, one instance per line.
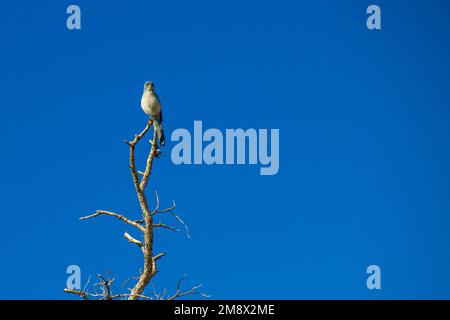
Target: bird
151,105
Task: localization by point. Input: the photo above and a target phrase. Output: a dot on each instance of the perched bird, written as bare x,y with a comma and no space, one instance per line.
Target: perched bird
151,105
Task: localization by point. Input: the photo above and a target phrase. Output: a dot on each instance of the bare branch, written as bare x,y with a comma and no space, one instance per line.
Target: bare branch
87,283
129,279
188,233
157,203
132,240
122,295
164,210
106,287
170,211
139,136
194,290
158,256
148,167
157,295
82,294
113,214
162,225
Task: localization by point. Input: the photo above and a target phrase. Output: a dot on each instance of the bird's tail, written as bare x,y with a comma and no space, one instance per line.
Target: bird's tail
160,133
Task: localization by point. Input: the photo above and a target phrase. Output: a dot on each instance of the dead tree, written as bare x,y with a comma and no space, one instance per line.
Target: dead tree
146,226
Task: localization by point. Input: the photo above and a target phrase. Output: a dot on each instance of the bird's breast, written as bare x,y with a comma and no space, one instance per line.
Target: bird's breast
150,104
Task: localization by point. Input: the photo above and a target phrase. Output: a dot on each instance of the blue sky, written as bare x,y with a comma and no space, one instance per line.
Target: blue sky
364,155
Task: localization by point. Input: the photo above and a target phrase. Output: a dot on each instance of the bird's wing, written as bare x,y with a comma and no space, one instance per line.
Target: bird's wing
160,108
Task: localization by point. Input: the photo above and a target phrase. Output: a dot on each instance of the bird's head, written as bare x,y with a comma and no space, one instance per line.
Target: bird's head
148,85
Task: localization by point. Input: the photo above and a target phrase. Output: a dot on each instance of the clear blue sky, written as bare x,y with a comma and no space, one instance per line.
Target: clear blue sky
364,153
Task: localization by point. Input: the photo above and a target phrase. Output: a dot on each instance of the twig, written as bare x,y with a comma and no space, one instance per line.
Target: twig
170,210
157,203
162,225
106,287
194,290
156,210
